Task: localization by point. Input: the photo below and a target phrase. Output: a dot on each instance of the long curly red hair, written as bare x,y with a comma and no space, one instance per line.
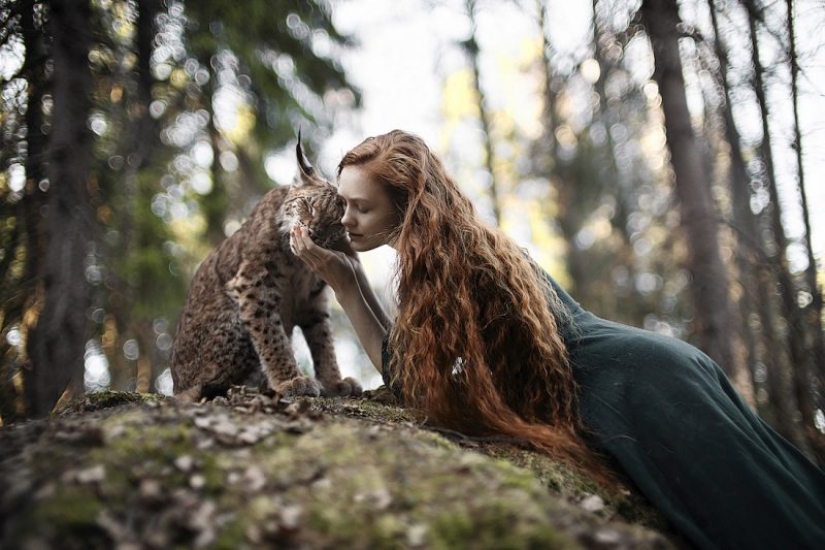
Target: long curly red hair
475,344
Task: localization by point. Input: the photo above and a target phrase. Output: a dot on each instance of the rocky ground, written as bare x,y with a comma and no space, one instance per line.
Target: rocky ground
129,471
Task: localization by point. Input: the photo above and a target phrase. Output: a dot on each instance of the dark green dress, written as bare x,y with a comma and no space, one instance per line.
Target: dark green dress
670,418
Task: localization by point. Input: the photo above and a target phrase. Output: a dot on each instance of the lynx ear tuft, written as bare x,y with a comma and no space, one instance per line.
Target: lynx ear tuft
304,165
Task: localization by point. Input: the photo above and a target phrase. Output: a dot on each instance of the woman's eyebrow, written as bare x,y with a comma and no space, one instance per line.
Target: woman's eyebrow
362,200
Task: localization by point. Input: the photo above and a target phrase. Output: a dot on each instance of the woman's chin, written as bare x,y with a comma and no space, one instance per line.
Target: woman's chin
360,244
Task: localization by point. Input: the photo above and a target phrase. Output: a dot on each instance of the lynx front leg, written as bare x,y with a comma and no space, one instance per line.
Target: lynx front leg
318,334
258,302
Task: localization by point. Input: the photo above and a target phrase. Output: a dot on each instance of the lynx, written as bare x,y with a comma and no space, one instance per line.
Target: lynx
248,295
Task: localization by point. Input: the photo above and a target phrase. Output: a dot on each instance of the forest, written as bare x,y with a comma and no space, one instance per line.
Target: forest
664,169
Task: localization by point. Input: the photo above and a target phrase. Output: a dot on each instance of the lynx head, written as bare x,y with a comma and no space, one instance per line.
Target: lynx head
314,203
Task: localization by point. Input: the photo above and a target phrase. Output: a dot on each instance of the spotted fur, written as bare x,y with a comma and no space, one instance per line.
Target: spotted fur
251,292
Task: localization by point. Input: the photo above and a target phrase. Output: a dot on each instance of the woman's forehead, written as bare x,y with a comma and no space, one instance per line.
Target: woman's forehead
355,182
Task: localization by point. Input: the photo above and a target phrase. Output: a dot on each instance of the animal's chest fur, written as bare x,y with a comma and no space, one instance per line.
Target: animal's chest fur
300,289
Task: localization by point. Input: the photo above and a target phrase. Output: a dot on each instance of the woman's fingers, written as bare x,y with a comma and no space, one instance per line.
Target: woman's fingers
305,248
334,267
302,240
324,262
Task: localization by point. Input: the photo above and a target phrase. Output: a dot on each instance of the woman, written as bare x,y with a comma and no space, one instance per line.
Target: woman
486,343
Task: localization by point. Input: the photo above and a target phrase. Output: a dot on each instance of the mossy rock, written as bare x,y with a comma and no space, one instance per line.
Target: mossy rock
256,472
108,398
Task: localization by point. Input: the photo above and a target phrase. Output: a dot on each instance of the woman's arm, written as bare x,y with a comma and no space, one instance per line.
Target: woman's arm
344,274
370,328
369,295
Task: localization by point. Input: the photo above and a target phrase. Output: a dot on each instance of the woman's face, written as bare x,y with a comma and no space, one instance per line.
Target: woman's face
370,216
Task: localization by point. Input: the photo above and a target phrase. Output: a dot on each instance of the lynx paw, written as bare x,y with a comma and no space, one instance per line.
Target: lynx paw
190,395
300,385
343,388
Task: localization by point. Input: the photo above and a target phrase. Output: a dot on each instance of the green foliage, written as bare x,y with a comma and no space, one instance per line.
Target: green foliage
150,174
273,45
151,261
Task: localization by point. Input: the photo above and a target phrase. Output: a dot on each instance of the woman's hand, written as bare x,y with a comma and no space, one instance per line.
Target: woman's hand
337,267
341,269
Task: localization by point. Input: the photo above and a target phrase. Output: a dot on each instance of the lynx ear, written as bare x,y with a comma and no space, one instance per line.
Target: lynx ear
307,171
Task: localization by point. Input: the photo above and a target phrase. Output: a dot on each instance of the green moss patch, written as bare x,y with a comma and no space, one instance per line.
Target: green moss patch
253,472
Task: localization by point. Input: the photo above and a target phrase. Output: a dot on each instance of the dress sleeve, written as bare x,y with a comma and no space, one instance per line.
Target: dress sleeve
388,369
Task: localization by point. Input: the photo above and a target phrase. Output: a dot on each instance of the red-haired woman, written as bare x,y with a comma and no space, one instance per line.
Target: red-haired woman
484,342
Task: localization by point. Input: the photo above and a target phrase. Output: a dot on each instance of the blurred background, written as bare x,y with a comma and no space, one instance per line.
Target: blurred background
662,159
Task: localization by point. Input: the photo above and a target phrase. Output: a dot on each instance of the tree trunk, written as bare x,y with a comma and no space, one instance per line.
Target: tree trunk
56,345
549,161
714,313
20,293
472,50
139,147
754,276
34,197
813,312
623,208
798,333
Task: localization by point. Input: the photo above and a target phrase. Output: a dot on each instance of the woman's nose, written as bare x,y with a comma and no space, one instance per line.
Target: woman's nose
346,219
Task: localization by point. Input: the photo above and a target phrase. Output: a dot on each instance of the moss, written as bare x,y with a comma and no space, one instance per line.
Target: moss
128,440
451,530
375,489
361,475
365,409
61,512
70,506
231,537
105,399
